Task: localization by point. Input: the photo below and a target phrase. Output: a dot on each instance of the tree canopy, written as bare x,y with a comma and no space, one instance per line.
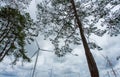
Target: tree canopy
57,21
16,29
62,20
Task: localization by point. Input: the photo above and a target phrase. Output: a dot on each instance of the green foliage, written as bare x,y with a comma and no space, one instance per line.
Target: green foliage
19,4
104,10
56,20
16,29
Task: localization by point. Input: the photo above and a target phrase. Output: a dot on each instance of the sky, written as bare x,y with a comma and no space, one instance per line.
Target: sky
49,65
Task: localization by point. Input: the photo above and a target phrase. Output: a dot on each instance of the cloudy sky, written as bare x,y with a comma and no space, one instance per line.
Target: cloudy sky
48,65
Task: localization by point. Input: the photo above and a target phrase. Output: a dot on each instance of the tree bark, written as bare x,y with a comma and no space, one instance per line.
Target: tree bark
90,59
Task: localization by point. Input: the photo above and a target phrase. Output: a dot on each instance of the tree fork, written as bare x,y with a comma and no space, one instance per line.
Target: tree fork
90,60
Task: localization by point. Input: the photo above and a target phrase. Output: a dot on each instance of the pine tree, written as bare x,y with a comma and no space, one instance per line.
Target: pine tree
63,19
15,30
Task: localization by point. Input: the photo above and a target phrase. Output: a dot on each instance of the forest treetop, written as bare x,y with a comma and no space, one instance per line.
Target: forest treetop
58,22
16,30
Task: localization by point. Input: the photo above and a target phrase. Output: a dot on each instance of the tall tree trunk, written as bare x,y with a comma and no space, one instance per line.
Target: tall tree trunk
91,62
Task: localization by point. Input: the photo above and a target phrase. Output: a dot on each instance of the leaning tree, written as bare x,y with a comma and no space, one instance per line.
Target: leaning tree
65,20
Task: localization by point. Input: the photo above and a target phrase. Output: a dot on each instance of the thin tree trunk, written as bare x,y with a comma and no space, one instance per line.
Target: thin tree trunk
91,62
5,51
